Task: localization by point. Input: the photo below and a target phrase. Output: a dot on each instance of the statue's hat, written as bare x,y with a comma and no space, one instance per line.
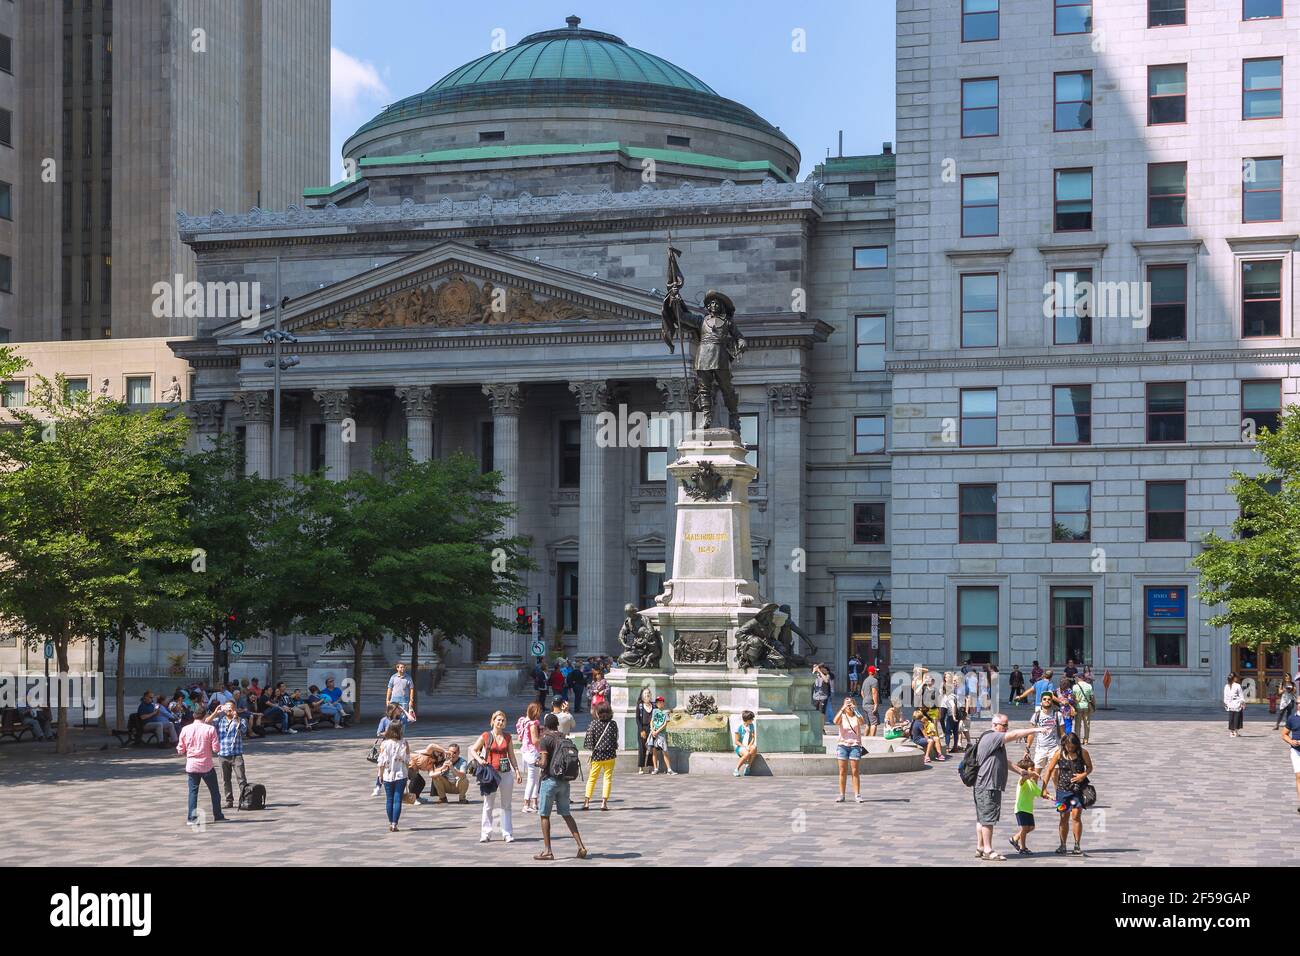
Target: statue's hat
727,304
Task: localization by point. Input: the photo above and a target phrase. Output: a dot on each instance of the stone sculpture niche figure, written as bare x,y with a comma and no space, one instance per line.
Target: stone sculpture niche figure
757,644
643,645
172,393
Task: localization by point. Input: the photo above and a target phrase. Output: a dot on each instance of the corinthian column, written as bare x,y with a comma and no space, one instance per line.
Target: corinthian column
677,407
257,432
501,673
206,417
593,524
421,405
336,406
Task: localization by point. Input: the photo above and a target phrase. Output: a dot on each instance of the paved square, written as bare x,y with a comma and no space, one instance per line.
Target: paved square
1173,789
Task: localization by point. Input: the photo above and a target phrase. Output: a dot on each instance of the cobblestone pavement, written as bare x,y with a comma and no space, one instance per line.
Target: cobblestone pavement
1173,789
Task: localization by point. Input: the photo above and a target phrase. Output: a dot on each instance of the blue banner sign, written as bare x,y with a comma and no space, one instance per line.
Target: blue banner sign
1166,602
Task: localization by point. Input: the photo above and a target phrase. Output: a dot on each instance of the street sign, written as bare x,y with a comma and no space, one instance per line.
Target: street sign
539,649
236,648
875,631
49,650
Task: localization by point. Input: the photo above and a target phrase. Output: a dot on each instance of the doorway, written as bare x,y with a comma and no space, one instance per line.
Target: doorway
1264,666
860,634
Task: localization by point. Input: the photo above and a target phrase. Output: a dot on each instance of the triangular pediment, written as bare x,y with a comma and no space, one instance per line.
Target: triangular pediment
459,287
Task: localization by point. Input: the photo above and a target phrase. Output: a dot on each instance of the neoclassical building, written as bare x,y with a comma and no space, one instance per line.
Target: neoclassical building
489,281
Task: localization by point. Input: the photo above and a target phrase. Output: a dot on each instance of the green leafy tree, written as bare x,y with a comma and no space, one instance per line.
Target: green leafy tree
90,501
1255,577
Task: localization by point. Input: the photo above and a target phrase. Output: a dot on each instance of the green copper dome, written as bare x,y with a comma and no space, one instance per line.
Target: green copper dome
571,67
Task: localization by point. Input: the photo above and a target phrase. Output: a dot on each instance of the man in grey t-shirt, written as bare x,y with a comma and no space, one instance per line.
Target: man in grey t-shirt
871,701
990,781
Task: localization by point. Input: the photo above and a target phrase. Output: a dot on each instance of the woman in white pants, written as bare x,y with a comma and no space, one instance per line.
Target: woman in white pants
497,749
528,729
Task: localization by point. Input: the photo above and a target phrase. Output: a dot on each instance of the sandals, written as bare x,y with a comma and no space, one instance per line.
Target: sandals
1060,850
1077,851
995,857
582,854
544,856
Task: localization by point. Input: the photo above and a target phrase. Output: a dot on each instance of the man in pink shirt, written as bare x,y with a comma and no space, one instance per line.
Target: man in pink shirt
198,744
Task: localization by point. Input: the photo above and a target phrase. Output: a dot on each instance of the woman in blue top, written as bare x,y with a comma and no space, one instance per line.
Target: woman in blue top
745,739
394,712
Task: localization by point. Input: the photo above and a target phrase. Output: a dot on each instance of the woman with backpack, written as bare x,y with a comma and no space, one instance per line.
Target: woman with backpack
602,741
1071,765
528,728
394,755
496,749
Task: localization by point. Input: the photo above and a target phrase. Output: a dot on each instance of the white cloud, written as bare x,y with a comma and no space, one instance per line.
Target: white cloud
352,80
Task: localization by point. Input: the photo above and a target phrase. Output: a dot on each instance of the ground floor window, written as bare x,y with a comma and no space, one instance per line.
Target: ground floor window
651,583
1071,625
1166,627
977,625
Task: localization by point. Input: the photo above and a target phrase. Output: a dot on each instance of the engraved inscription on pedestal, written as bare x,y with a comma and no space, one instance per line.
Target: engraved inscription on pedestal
700,647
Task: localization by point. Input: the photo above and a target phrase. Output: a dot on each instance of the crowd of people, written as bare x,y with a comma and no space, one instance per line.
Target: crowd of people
570,680
259,709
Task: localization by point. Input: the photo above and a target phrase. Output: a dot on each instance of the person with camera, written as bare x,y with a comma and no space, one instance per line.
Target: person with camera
849,747
1071,765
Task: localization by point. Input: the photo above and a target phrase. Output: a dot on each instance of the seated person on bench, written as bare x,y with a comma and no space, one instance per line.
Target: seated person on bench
37,721
155,719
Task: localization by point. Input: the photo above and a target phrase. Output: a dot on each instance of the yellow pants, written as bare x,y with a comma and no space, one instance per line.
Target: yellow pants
598,767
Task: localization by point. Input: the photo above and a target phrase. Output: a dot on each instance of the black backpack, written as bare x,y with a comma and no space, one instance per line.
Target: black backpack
253,798
970,763
564,763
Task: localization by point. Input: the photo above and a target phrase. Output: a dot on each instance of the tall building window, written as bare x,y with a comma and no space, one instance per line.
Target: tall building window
6,53
1261,88
6,274
1261,298
1072,307
1166,194
871,257
977,625
1073,106
979,205
651,581
1261,404
14,394
75,388
139,390
1166,13
1071,625
316,452
977,514
1166,511
979,107
1261,189
862,190
1071,511
1072,415
1261,9
1166,411
979,417
6,201
868,434
1073,16
869,349
6,127
566,597
486,447
570,453
1167,94
106,280
1272,486
654,456
1073,200
979,20
869,522
1165,633
749,437
979,310
1168,305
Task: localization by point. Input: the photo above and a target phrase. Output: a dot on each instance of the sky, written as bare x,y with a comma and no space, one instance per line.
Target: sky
383,50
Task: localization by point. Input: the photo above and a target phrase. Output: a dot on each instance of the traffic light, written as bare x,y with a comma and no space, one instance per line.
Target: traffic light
523,624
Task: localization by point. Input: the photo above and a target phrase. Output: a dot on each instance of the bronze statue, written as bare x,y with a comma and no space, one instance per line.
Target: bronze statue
786,641
757,644
643,645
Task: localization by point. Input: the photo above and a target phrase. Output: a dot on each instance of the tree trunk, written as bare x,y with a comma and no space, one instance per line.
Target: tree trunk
101,643
216,662
61,655
358,649
119,693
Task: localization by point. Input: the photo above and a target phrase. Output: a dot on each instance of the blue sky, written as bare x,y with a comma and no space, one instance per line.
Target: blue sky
384,50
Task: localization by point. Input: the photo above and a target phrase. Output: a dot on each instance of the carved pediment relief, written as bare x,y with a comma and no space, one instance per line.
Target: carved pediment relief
456,302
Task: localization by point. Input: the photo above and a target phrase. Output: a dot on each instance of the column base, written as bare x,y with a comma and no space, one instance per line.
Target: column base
500,678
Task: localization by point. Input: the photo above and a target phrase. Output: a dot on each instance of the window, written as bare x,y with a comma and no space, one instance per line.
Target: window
654,455
651,579
1261,88
6,127
1166,411
683,142
1261,9
1261,297
6,274
6,53
869,522
1272,486
492,136
1166,94
1072,511
1261,189
868,434
979,20
566,597
979,107
13,395
871,257
6,201
1166,511
749,437
1073,17
139,390
1166,194
977,514
486,447
1073,209
1072,415
1166,13
1166,627
1168,305
819,627
869,355
979,310
570,453
1261,404
1073,101
979,205
1072,308
861,190
977,625
1071,625
317,451
76,388
979,417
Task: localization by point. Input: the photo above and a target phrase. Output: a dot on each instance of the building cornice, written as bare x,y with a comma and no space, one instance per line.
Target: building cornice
1265,356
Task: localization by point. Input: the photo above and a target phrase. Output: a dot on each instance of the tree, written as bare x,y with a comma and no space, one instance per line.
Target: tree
1256,576
90,499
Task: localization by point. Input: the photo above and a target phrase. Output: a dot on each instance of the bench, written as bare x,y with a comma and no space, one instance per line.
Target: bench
11,726
133,733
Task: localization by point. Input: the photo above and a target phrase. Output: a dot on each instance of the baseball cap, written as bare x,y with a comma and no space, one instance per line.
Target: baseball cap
657,699
871,669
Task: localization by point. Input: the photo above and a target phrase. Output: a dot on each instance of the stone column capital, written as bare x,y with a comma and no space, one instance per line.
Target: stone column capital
336,404
790,398
418,401
593,395
677,394
256,406
506,398
206,416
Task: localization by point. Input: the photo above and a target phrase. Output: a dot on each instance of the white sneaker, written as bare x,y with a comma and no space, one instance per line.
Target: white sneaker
840,798
859,799
292,731
509,838
672,772
376,792
484,839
